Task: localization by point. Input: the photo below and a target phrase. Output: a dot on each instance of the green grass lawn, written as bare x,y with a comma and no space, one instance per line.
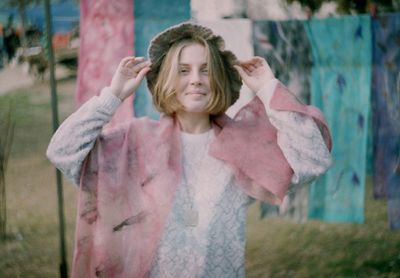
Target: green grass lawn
276,247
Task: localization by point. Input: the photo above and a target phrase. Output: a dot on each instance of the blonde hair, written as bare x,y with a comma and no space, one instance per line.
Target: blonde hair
164,95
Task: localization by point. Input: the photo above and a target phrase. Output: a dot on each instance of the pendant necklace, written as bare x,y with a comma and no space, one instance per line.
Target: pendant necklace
191,215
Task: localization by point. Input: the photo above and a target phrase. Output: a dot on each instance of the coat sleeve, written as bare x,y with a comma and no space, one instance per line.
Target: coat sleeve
299,138
249,144
76,136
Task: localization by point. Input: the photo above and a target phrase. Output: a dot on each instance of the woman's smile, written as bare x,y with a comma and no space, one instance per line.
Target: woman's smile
197,93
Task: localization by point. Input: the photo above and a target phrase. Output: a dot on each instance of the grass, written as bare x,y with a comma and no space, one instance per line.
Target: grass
276,247
32,246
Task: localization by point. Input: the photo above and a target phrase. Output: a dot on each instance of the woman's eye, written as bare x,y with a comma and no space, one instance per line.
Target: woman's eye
183,71
204,70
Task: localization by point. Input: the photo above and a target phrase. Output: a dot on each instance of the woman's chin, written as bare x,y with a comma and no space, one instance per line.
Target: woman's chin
195,109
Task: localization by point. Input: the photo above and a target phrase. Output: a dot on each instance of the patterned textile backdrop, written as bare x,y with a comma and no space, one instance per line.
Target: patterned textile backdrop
152,17
106,36
386,112
341,85
286,47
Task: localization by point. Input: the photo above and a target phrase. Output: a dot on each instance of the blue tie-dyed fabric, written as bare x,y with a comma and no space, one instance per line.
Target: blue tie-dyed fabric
386,112
341,85
152,17
285,45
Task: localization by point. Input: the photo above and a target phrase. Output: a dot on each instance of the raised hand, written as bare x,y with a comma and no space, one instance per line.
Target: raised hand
127,77
255,73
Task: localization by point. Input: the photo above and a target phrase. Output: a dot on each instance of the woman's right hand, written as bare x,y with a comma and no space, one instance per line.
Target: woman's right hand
127,77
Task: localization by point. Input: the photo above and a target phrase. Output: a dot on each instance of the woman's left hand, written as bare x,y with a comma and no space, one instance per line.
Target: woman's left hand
255,73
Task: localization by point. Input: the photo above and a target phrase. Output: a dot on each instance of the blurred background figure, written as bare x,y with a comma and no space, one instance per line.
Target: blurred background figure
11,39
1,47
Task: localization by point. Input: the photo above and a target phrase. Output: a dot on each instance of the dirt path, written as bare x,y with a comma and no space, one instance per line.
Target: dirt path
13,78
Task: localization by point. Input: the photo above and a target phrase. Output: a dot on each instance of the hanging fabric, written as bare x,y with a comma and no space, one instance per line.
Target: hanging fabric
386,112
106,36
341,85
285,45
152,17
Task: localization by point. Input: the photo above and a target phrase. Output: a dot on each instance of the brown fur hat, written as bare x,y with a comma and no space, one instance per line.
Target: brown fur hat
160,45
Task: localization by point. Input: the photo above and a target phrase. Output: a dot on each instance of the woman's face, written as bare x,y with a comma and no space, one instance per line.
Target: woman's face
193,85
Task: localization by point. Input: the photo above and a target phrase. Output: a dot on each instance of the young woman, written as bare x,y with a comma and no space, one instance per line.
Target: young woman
168,198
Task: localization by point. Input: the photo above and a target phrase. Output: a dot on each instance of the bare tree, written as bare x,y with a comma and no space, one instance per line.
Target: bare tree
6,135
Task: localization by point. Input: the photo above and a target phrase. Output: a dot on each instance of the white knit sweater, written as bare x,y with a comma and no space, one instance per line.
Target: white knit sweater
215,246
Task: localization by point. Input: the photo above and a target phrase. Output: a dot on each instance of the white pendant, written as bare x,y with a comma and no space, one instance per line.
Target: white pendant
191,217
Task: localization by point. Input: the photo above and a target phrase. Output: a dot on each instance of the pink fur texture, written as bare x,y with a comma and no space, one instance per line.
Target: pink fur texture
130,177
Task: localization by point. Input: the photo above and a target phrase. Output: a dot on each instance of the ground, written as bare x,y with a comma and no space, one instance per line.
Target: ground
276,247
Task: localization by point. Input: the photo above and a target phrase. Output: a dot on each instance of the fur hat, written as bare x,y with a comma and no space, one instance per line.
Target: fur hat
161,43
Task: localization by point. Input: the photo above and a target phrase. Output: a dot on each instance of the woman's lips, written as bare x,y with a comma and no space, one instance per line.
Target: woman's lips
197,93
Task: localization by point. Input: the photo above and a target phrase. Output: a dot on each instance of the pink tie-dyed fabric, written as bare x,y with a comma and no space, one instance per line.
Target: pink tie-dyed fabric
106,36
130,177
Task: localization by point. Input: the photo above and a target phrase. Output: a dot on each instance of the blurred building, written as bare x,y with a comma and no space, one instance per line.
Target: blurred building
65,15
254,9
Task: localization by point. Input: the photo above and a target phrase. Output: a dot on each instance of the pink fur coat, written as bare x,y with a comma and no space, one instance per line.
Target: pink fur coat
130,177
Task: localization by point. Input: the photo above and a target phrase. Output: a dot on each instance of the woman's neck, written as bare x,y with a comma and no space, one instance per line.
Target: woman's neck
194,122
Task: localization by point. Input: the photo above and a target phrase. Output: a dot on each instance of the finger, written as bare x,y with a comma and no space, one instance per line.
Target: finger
254,61
261,61
140,66
246,68
257,59
138,60
133,61
143,72
241,71
248,62
125,60
249,65
254,65
130,63
257,62
245,65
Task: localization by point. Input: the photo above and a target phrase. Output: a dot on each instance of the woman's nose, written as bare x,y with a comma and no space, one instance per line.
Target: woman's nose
195,78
